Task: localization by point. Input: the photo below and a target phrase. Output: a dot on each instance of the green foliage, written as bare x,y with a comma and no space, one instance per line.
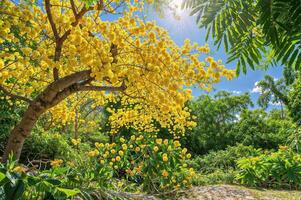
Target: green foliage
281,169
215,117
272,91
249,29
259,129
216,177
144,159
18,184
295,101
224,120
224,160
9,116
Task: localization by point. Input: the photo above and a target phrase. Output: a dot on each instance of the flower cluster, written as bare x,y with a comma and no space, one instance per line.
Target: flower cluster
159,164
127,51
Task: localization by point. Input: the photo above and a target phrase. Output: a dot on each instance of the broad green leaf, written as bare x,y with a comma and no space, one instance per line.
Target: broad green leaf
69,192
2,176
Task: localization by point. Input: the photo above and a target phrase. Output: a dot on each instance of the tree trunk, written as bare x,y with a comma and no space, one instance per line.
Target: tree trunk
22,130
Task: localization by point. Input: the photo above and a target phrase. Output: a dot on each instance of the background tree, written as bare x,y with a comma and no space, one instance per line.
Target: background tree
253,32
50,52
272,91
215,117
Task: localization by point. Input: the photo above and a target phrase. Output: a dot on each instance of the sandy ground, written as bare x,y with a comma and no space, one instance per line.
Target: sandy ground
228,192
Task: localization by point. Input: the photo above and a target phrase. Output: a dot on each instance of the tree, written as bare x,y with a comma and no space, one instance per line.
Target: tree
250,29
294,105
50,52
272,90
215,117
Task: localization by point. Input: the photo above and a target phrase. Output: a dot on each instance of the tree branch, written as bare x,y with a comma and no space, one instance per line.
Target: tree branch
14,96
73,7
77,87
50,18
54,88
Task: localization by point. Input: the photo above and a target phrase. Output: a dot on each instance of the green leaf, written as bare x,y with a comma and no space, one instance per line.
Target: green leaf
2,176
69,192
293,57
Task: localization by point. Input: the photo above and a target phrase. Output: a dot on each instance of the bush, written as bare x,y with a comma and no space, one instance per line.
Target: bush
156,164
217,177
281,169
222,160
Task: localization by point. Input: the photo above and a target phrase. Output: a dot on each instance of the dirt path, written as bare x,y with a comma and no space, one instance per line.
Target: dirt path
228,192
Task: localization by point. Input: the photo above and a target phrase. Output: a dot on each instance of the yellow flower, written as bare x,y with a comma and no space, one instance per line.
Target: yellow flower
156,148
133,137
102,162
56,162
137,149
124,147
188,155
165,158
93,153
99,145
177,143
71,164
283,147
75,142
184,151
118,158
19,169
165,173
159,141
166,142
120,153
122,140
113,151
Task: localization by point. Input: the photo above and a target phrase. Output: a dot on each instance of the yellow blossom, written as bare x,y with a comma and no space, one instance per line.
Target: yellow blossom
19,169
56,162
165,173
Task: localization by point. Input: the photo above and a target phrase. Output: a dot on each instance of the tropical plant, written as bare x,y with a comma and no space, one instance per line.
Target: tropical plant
253,32
154,163
215,117
272,91
281,169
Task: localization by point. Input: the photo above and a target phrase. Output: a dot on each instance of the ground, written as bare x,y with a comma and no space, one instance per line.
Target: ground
229,192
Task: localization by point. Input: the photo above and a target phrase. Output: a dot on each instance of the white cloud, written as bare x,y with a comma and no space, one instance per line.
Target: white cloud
256,88
275,103
236,92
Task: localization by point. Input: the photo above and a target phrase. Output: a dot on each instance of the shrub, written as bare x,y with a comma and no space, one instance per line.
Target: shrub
156,164
19,183
281,169
223,159
217,177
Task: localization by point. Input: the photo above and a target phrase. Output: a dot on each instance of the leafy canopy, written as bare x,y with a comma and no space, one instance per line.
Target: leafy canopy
253,32
53,51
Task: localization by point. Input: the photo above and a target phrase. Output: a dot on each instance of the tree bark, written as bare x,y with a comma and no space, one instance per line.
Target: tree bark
22,130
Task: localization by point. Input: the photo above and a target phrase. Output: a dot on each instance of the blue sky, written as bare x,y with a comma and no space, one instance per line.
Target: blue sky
185,27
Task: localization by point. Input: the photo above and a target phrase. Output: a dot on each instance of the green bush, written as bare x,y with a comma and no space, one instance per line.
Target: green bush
281,169
294,104
150,162
216,177
223,159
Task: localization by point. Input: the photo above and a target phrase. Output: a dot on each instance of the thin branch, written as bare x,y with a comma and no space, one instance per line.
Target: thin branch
14,96
73,8
51,21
